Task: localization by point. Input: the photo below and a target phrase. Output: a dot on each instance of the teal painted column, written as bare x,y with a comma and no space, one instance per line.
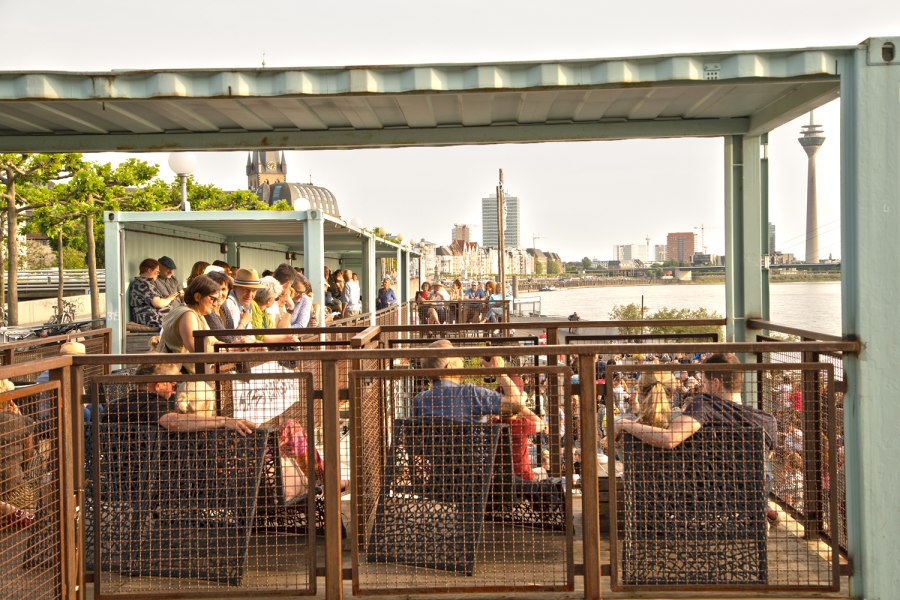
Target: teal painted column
314,257
732,172
743,239
870,288
116,303
403,274
764,221
369,278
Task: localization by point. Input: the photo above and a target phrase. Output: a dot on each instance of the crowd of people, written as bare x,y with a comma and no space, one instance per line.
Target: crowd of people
473,303
219,297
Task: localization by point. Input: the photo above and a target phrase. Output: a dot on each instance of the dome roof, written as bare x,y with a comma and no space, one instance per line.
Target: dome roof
319,198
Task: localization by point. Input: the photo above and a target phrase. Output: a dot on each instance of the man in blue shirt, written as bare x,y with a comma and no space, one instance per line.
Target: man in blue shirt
386,296
450,399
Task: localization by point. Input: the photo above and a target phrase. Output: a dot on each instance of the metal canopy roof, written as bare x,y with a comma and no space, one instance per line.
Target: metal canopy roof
285,228
384,106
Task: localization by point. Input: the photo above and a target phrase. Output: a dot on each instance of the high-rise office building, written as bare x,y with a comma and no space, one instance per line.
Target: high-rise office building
630,252
659,252
511,231
771,239
461,233
680,246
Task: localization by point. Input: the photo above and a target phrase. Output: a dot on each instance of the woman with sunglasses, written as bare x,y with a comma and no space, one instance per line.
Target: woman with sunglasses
203,296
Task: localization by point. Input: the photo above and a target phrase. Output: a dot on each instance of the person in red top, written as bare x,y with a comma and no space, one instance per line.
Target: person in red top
521,426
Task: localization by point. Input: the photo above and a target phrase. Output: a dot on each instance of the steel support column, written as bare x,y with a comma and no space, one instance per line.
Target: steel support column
743,248
314,257
116,303
368,279
870,222
403,275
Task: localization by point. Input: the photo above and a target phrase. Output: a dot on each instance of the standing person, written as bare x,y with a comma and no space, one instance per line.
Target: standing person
166,283
145,302
352,304
303,302
386,296
199,268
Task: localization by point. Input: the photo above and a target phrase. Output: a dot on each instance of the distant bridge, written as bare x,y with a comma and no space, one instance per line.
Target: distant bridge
42,283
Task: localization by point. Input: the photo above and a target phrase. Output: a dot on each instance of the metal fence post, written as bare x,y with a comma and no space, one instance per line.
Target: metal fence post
331,441
589,484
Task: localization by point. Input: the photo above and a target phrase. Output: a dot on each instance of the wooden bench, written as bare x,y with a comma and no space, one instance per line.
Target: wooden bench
695,515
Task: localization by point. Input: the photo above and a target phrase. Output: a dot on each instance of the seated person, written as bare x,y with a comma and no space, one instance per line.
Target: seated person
18,494
147,305
166,283
451,399
155,403
719,402
200,299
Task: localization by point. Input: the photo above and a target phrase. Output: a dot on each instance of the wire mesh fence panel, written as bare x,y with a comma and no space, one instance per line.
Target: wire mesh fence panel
31,543
445,499
785,395
195,495
696,505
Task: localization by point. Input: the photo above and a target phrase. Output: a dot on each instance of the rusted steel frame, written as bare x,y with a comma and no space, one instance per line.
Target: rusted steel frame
38,366
76,433
711,337
615,584
357,520
69,566
60,339
199,334
590,488
392,343
331,443
538,324
550,351
802,333
95,479
223,346
831,440
812,451
366,336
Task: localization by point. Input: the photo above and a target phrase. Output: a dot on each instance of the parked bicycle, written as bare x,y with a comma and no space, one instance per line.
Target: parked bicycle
66,316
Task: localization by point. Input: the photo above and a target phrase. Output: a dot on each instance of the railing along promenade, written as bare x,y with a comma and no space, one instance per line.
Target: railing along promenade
147,512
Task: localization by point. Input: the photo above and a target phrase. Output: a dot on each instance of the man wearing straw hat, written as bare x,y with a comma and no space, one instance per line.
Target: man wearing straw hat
240,300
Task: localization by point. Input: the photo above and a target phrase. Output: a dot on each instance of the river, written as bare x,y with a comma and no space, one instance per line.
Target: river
815,306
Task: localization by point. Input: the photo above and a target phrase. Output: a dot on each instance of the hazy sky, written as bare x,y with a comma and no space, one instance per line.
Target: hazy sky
582,198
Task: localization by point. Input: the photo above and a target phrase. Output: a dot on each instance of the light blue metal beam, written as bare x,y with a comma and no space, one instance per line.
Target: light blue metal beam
743,251
369,278
870,245
314,256
381,138
116,303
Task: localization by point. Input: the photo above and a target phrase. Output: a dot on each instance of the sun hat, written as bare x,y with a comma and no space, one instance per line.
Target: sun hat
247,278
213,269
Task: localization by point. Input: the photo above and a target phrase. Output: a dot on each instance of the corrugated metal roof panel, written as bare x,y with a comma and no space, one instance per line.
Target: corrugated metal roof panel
701,94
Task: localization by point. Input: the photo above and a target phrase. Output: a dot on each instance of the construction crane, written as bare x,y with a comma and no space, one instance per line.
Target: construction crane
534,238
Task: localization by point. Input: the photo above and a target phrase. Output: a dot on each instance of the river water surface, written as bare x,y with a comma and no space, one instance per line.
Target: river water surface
815,306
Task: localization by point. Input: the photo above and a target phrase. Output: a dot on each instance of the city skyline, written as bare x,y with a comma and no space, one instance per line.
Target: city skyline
582,197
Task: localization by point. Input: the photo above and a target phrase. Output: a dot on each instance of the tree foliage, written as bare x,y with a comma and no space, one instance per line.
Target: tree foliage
632,312
552,267
586,263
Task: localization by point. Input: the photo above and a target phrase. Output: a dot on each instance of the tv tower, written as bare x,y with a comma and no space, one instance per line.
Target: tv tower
812,137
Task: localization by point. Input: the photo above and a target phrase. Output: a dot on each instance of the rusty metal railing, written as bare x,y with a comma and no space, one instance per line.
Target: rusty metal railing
377,397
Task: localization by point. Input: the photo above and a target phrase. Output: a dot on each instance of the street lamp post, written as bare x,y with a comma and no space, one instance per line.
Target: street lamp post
183,163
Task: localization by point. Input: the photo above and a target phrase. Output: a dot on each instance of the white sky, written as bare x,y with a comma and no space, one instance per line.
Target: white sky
581,197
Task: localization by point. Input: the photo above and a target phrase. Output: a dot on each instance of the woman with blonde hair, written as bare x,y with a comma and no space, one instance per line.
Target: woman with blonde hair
655,391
